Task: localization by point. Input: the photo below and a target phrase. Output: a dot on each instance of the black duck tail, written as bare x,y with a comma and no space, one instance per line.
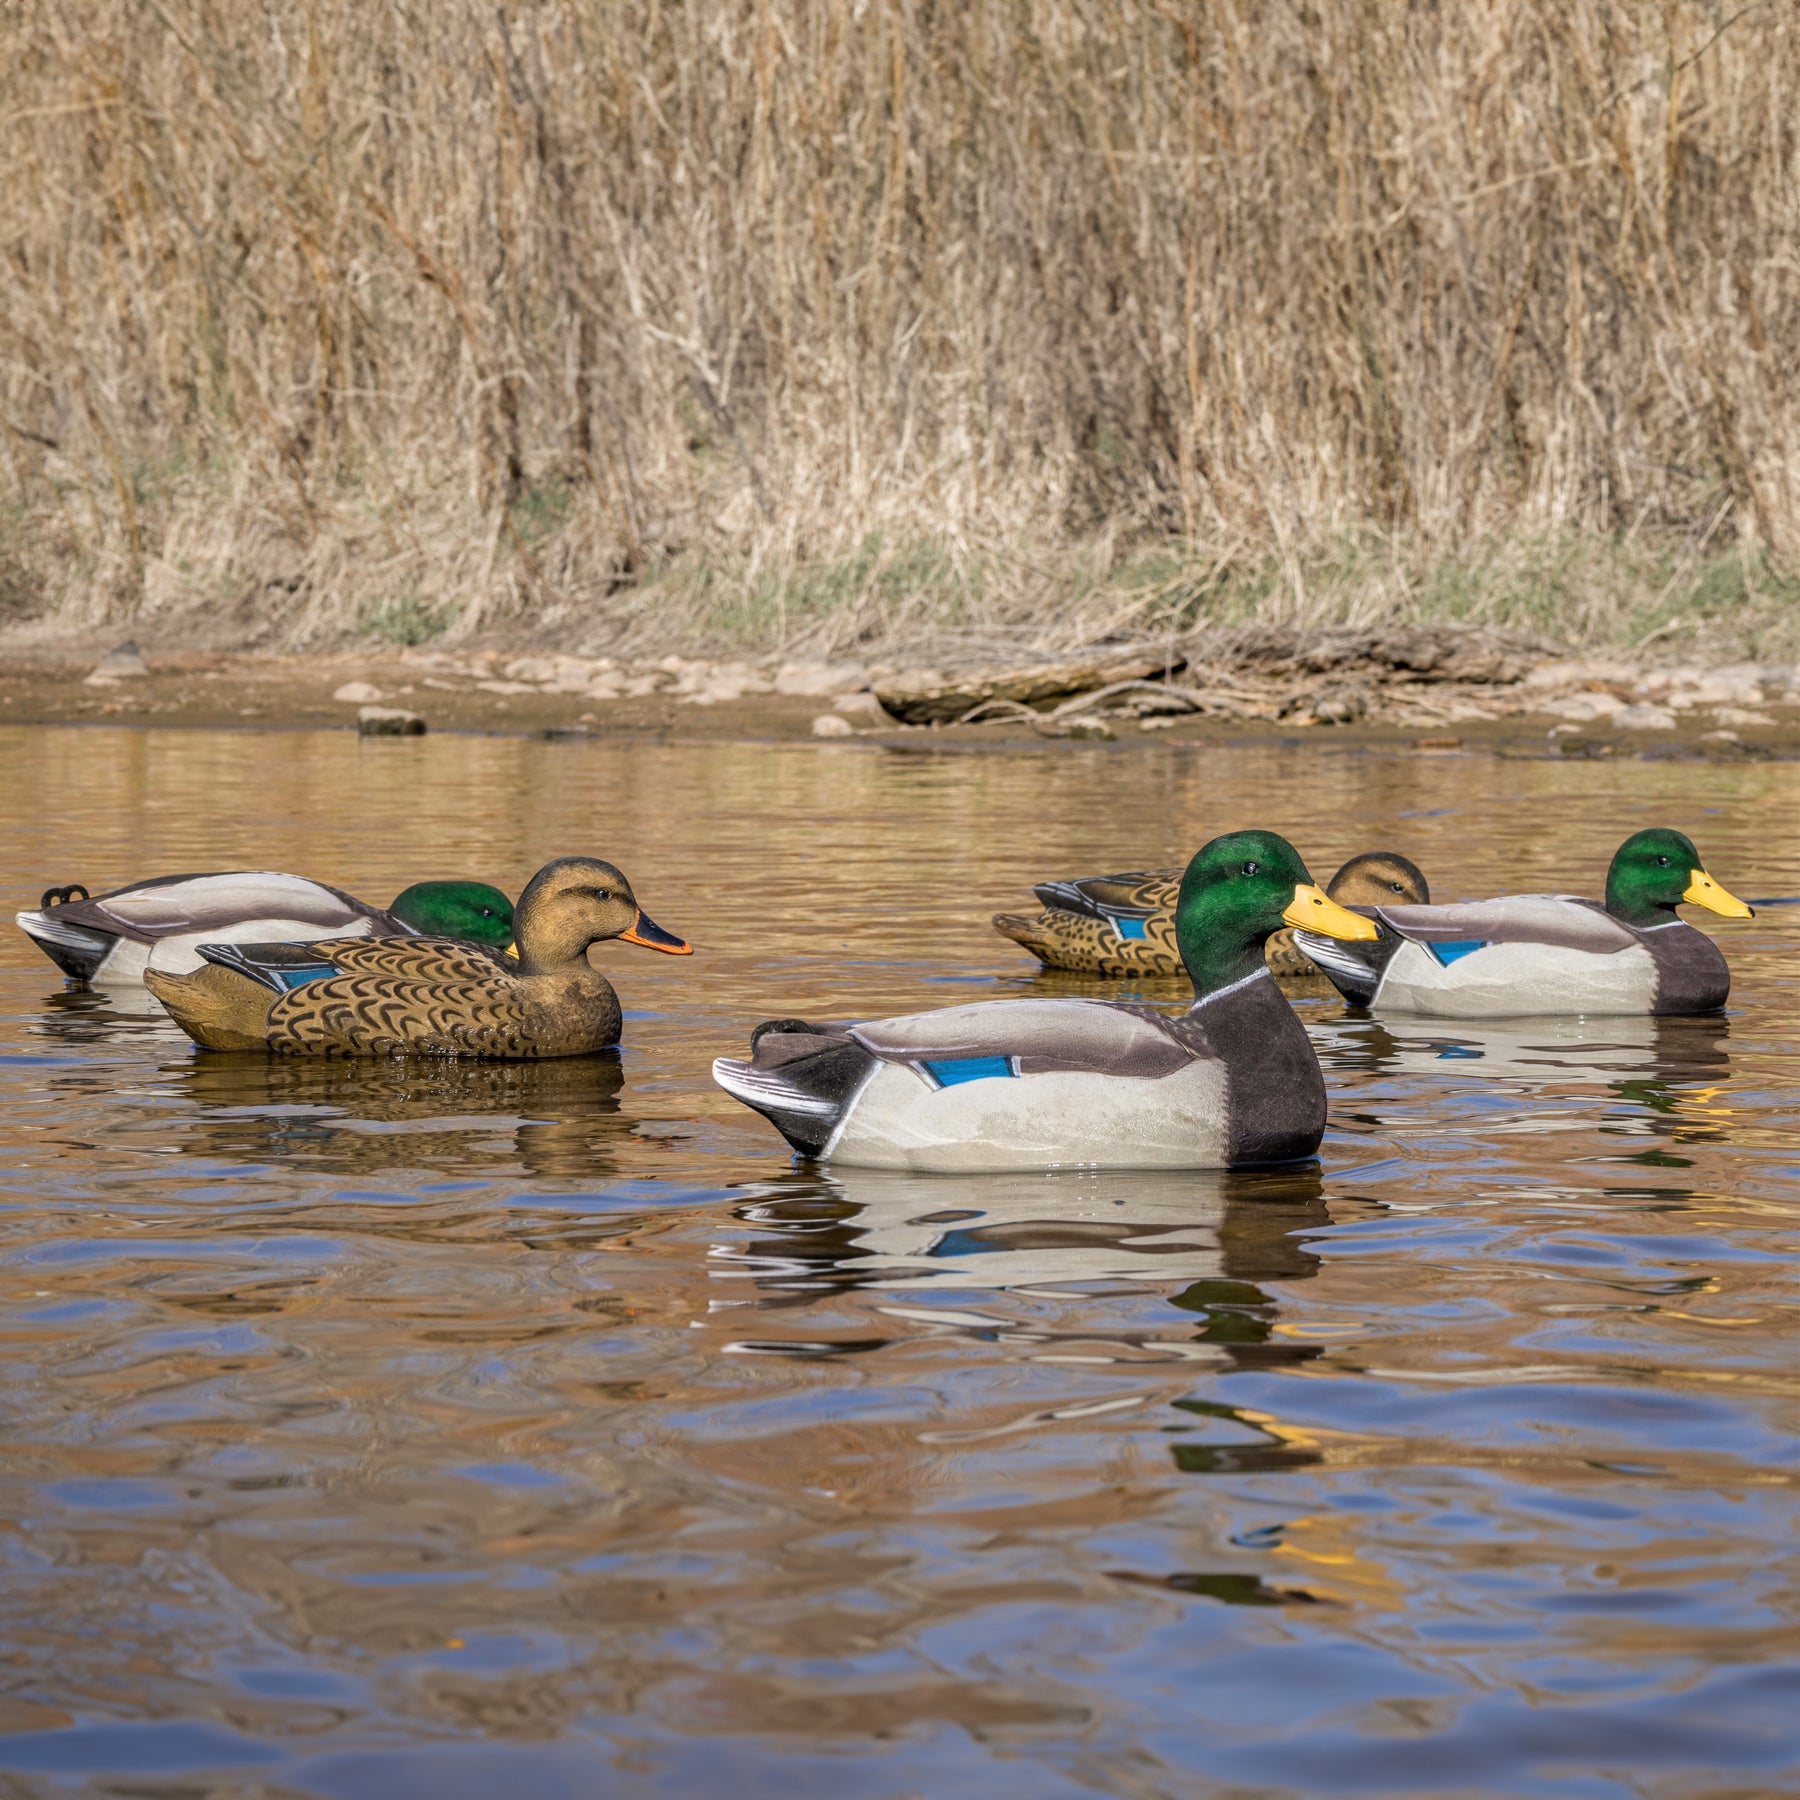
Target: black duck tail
78,950
1355,969
801,1078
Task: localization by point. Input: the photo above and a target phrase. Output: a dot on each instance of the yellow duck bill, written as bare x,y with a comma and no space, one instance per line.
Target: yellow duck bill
1702,890
1312,909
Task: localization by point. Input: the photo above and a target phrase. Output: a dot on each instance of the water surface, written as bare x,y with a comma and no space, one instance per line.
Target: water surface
390,1431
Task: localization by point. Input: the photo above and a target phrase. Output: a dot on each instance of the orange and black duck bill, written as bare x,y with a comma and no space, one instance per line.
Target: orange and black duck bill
651,936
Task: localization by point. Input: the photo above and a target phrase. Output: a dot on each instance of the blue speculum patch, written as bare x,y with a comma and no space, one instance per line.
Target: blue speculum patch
1129,928
1456,949
967,1068
294,978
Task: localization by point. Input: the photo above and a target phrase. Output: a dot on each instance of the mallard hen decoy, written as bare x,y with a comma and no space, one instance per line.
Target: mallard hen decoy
1032,1084
1550,953
113,938
427,996
1125,924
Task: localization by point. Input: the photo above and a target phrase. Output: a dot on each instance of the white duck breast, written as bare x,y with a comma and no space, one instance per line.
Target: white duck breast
1500,981
1524,954
1036,1084
899,1121
160,924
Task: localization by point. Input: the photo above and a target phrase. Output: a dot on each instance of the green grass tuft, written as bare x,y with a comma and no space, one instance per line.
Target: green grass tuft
407,620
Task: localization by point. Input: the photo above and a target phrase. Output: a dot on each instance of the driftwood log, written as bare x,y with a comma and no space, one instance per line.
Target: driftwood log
1315,676
938,697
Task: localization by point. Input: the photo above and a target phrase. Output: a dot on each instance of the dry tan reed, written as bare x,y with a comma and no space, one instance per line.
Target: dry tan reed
820,320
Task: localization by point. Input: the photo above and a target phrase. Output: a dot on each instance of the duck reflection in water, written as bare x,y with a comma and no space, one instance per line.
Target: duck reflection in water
1537,1051
1682,1092
1669,1071
560,1119
1205,1239
85,1015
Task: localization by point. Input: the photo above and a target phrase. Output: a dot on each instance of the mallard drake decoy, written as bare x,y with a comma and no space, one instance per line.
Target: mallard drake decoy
1125,924
1550,953
113,938
427,996
1077,1083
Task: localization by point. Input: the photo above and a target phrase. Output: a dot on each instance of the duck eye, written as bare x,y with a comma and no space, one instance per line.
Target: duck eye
1251,868
1398,887
1662,862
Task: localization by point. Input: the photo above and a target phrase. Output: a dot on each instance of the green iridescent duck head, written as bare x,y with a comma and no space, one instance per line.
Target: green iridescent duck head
470,910
1237,892
1655,871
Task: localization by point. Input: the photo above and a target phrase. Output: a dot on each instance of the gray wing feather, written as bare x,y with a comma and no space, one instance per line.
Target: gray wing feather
1560,919
1042,1034
158,909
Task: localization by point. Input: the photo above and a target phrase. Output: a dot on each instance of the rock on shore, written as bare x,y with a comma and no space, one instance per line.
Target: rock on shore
1402,674
1276,679
695,681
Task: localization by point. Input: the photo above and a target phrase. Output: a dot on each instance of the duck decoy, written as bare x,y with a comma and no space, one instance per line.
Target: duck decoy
1125,924
428,996
113,938
1078,1083
1549,953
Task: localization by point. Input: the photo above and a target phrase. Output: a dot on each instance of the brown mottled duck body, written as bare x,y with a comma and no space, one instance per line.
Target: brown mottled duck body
1125,924
423,996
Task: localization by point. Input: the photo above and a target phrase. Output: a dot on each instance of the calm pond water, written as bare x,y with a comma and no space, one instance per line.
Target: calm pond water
389,1432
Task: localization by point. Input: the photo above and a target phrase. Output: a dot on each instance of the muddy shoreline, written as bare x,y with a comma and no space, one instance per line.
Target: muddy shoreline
198,691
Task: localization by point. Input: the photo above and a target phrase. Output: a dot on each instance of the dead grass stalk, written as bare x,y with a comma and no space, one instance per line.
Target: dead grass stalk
836,321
